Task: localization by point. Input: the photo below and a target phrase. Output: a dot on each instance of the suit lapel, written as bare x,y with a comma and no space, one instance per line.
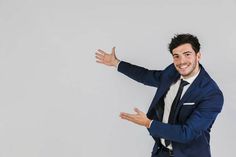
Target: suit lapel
159,105
193,87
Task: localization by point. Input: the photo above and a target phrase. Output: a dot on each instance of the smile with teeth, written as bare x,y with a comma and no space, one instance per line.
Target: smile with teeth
183,66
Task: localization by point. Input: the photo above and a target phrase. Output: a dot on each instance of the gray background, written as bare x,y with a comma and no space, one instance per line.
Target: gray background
55,100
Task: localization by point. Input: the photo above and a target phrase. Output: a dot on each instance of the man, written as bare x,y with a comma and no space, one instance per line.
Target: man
186,103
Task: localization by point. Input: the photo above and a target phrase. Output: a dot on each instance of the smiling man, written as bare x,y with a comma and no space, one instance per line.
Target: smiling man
186,60
186,103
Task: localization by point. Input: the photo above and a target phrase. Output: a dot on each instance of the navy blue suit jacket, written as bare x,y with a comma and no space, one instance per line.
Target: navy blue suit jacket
195,113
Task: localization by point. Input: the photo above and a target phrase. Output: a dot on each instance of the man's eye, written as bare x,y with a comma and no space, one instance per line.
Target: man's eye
175,57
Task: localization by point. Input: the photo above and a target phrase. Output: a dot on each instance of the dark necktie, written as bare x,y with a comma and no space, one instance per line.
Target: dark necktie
174,105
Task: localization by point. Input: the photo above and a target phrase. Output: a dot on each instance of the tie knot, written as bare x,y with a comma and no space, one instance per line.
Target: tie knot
183,83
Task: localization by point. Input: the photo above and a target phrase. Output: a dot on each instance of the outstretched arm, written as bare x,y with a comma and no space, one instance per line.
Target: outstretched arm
140,74
106,58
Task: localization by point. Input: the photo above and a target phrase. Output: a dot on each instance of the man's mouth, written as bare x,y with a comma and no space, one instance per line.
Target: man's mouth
182,67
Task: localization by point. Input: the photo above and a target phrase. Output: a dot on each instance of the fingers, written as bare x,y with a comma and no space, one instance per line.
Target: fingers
137,110
127,116
101,51
99,61
123,114
106,58
129,119
135,118
99,56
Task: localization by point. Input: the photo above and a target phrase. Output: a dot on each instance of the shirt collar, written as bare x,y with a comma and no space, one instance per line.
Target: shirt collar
191,79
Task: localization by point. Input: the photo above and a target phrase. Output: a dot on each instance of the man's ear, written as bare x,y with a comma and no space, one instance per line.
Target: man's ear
199,56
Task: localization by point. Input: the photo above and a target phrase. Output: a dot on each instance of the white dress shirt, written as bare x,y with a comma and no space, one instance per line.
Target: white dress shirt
170,98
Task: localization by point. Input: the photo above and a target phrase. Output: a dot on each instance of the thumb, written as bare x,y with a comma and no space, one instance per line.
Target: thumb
137,110
113,51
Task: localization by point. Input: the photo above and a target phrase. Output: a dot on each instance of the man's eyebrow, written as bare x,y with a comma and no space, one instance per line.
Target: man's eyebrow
174,54
187,52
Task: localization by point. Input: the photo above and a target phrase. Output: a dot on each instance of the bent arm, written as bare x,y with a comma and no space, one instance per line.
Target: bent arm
200,120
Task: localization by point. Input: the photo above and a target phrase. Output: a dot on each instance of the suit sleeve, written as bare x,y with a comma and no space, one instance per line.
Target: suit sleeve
200,120
140,74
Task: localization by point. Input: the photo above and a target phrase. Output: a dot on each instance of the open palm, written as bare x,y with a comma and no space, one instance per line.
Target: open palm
106,58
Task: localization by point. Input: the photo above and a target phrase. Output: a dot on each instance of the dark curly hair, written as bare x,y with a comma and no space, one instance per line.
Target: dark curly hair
180,39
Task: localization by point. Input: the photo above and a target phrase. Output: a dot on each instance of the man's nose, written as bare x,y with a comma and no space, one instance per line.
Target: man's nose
181,60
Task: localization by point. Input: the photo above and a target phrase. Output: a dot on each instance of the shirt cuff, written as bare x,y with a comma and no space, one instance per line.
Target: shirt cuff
150,124
117,65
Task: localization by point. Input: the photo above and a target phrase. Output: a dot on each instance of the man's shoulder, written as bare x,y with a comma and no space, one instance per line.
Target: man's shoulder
171,72
206,82
170,67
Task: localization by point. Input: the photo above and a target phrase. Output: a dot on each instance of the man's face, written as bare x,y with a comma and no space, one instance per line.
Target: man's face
186,61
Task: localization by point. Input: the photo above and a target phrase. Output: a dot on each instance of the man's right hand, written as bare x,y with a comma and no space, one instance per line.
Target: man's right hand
106,58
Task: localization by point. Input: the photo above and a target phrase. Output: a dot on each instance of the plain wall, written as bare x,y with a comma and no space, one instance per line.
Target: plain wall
55,100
